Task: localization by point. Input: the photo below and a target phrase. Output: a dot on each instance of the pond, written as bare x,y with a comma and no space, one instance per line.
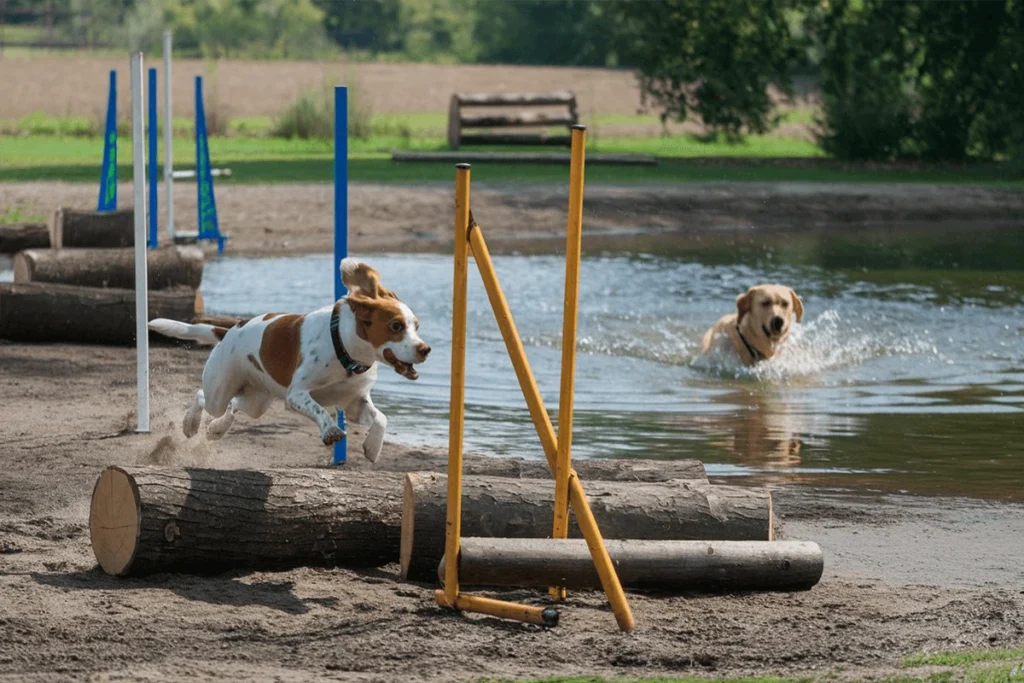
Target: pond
906,375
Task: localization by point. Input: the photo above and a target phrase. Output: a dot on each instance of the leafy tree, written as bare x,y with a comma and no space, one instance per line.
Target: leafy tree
865,53
569,32
711,58
935,80
363,24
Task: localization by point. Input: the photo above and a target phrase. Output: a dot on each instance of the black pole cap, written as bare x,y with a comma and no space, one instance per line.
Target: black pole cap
463,166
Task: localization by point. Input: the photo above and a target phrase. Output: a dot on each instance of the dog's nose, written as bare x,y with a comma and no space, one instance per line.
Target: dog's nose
777,323
423,350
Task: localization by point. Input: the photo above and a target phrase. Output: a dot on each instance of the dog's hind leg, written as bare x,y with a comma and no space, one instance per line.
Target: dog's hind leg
251,402
194,415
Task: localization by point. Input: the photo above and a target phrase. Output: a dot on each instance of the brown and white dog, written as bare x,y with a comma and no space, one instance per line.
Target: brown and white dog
324,358
762,321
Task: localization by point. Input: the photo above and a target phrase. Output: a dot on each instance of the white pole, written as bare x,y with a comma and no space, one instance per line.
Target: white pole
141,279
168,138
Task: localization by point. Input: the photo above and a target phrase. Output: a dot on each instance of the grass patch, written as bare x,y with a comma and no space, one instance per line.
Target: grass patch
15,214
965,658
275,160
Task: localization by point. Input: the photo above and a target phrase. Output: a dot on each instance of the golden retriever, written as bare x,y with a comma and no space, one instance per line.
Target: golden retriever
763,318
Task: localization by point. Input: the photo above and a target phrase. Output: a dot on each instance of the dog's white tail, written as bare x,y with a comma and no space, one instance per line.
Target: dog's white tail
202,333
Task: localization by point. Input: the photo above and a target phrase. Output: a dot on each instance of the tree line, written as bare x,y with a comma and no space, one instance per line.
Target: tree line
917,79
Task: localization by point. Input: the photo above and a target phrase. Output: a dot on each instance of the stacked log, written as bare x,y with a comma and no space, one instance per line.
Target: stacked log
149,519
18,236
167,267
82,289
666,566
494,507
44,312
76,228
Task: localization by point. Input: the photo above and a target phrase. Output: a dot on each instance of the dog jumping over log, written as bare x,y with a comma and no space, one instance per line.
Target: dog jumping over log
325,358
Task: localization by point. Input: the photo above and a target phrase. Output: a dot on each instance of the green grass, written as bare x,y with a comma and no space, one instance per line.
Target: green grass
15,214
272,160
965,658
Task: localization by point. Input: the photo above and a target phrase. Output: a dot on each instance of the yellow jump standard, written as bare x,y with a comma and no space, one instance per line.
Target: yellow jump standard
569,491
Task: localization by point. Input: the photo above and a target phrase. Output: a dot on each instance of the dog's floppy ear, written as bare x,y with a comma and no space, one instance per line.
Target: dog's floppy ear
798,305
358,275
362,306
743,303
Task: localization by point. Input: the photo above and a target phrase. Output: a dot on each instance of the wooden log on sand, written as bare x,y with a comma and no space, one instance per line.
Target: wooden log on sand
18,236
97,229
149,519
522,508
620,469
35,312
166,267
668,566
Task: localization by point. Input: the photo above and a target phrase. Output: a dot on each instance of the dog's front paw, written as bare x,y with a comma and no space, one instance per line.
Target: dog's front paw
333,435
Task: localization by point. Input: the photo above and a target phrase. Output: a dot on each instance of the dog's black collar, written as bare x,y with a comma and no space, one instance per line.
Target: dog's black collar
354,367
754,353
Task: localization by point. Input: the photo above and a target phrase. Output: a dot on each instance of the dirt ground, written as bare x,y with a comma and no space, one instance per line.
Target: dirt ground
903,575
281,219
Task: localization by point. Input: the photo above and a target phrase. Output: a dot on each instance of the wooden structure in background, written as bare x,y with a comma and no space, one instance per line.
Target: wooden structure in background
458,119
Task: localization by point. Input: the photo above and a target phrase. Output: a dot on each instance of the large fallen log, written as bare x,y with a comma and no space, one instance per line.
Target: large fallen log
18,236
167,267
149,519
617,469
35,312
523,508
97,229
669,566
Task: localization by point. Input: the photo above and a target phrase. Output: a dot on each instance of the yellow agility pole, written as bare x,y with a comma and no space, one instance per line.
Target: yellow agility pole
546,432
453,522
570,304
450,597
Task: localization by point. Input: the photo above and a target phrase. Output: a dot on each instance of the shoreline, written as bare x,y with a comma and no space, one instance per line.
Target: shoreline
298,219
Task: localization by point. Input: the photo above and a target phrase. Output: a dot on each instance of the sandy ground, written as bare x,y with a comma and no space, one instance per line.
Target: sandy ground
278,219
903,575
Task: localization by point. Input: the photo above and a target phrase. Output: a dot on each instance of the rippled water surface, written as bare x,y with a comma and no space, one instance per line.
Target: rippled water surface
907,373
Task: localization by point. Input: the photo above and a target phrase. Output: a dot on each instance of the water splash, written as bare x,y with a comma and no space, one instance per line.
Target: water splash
823,345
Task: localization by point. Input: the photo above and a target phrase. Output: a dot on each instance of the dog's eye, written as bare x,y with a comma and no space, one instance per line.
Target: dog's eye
766,304
785,304
397,326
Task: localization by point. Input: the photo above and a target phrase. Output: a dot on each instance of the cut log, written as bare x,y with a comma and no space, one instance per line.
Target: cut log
535,139
149,519
167,267
523,508
624,469
515,99
526,118
669,566
18,236
95,229
522,158
36,312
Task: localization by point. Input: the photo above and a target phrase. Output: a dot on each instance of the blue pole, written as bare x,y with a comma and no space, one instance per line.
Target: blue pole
340,217
108,172
152,242
209,226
